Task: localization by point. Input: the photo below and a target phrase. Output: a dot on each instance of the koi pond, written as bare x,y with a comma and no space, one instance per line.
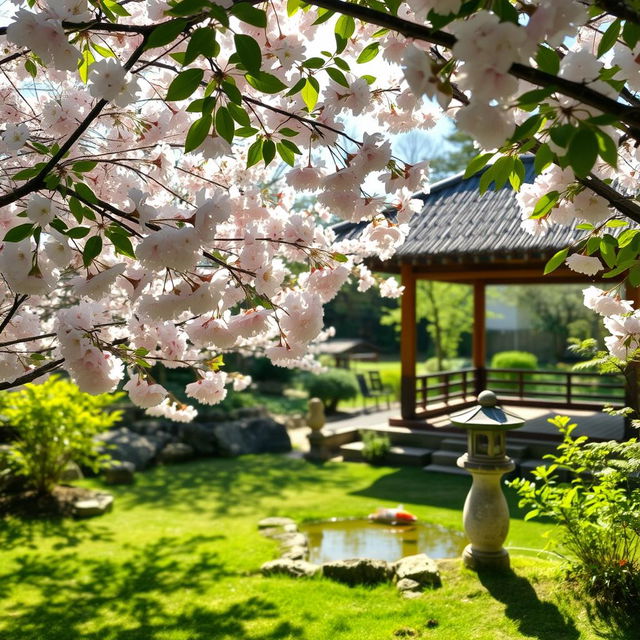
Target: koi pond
340,539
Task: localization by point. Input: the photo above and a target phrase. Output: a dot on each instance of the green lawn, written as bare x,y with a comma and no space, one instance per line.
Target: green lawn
179,558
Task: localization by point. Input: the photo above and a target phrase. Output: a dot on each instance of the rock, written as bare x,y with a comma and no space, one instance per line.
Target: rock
97,505
293,568
275,521
71,472
290,528
411,595
200,437
119,473
358,571
176,452
127,446
289,540
420,568
295,553
406,584
257,435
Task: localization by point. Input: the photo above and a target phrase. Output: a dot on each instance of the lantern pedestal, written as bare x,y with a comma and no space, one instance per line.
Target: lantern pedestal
486,514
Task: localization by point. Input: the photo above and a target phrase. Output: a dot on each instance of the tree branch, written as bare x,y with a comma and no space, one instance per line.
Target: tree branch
17,301
578,91
32,375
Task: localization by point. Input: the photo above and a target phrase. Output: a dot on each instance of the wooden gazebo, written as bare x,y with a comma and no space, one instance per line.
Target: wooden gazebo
463,236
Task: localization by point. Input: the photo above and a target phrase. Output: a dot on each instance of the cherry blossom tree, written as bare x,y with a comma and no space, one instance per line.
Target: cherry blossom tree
141,220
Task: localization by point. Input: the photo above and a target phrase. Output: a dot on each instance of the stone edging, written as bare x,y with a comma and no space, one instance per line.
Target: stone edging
410,574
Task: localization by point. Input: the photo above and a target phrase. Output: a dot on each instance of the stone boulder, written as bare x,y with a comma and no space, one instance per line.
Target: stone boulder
127,446
358,571
71,472
256,435
275,521
95,506
175,452
293,568
200,437
119,473
420,568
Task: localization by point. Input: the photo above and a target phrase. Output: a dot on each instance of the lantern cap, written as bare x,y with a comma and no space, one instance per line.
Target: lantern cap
487,416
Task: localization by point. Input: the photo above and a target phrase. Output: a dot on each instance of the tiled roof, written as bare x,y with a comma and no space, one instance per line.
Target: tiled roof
458,222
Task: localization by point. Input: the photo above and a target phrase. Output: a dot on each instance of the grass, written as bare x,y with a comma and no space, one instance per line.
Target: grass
179,557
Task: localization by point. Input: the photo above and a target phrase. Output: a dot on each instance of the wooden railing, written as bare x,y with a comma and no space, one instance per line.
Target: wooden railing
566,388
445,387
436,393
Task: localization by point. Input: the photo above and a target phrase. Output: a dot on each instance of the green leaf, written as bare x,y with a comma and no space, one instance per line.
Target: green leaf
631,33
188,7
239,114
115,8
285,131
528,128
224,124
609,37
545,204
121,243
548,60
254,155
82,166
345,27
201,43
265,82
26,174
198,132
607,148
634,276
202,105
608,251
535,96
249,14
337,76
516,177
556,261
583,151
92,249
103,51
166,32
31,68
77,232
246,132
543,159
501,169
477,163
76,208
286,154
248,51
626,237
339,257
562,134
368,53
313,63
342,64
268,151
85,63
486,179
19,233
292,7
232,92
85,192
184,84
309,94
616,223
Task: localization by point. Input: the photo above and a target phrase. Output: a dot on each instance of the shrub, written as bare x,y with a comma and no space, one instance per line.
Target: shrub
431,365
376,446
55,424
598,512
514,360
331,387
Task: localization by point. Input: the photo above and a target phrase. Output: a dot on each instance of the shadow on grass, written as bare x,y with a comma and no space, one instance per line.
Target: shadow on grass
535,618
145,596
233,483
441,490
27,533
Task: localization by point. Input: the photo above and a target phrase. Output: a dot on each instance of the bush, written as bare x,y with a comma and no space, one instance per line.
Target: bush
55,424
376,446
331,387
598,511
431,365
514,360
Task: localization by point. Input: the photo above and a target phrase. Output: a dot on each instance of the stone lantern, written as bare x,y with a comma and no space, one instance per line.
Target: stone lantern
486,514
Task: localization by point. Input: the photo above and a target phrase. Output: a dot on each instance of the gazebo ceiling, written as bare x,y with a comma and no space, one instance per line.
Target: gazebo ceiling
460,231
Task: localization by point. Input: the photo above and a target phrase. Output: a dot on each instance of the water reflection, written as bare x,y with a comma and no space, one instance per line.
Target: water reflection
360,538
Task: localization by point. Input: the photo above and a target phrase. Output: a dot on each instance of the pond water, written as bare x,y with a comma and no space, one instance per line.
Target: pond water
360,538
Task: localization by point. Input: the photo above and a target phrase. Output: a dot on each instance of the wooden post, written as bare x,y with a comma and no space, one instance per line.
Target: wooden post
479,335
408,344
632,375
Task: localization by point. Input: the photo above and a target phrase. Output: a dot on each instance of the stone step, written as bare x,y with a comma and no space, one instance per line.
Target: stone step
438,468
517,451
445,458
398,455
454,444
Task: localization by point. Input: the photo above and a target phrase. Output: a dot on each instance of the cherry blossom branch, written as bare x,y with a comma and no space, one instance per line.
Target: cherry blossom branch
583,93
33,375
619,9
37,182
17,301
